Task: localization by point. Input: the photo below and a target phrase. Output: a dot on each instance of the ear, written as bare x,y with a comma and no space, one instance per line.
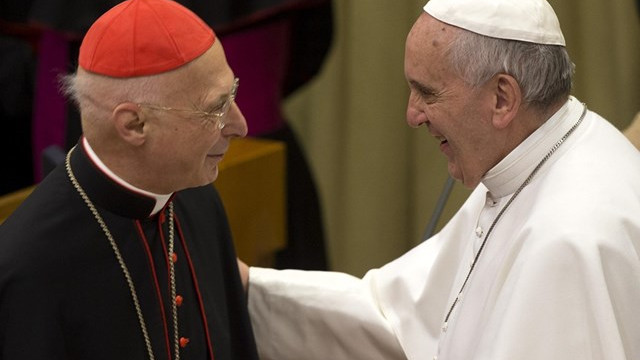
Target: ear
508,99
129,122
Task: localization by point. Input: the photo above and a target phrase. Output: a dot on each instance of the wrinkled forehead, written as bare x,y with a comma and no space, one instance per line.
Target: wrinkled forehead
430,36
429,28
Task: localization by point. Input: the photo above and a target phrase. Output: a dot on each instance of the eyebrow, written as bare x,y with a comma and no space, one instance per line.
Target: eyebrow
209,106
424,89
217,103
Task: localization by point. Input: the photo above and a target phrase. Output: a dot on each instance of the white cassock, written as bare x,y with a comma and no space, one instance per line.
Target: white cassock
559,277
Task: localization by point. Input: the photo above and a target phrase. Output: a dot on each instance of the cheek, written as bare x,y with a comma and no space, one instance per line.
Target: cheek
465,137
185,149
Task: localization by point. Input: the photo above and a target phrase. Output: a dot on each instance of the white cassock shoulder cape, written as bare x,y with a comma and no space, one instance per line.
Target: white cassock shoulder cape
559,277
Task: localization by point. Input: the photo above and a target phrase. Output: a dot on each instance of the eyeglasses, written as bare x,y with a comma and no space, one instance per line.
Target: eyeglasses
217,116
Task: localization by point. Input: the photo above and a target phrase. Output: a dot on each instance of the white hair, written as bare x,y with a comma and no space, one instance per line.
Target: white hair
96,95
544,72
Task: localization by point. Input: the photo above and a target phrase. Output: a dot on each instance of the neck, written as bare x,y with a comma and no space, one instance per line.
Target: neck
161,198
123,163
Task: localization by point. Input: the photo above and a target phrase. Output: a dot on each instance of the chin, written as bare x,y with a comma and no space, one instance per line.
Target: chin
455,172
470,182
212,175
205,179
458,175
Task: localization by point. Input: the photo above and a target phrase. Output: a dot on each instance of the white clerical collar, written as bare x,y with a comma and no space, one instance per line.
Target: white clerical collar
161,199
511,172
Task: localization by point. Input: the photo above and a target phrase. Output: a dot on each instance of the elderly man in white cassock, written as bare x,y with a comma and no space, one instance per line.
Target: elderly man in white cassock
542,260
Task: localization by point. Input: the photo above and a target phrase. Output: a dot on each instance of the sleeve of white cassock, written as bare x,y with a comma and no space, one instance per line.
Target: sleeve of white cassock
319,315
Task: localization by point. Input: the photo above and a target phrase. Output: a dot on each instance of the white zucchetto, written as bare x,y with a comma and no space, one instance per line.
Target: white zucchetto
524,20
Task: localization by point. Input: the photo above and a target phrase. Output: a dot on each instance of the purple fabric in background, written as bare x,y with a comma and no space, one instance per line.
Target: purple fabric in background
258,57
49,111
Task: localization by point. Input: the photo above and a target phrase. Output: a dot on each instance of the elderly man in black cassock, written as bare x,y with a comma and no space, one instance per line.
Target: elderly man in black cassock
124,251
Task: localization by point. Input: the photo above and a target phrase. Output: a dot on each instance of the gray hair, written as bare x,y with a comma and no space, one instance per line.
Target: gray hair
544,72
96,96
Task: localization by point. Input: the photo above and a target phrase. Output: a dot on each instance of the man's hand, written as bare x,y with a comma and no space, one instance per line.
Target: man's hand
244,274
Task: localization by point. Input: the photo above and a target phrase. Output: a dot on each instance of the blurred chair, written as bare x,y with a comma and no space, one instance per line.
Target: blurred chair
252,185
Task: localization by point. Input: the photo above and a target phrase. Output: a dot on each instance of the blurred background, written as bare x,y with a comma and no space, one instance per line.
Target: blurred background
377,180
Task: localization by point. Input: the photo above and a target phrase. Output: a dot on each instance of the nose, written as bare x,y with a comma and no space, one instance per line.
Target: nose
415,115
235,123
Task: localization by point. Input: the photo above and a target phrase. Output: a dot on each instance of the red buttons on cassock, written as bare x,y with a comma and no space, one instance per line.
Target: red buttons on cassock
174,257
179,300
184,342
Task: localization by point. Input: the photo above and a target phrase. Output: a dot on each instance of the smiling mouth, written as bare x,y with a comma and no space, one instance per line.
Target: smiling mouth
219,154
442,140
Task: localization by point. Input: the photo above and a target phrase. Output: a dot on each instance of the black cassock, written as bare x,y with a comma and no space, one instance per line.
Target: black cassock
63,294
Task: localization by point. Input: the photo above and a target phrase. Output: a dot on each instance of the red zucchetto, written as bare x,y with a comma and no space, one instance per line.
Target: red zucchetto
144,37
